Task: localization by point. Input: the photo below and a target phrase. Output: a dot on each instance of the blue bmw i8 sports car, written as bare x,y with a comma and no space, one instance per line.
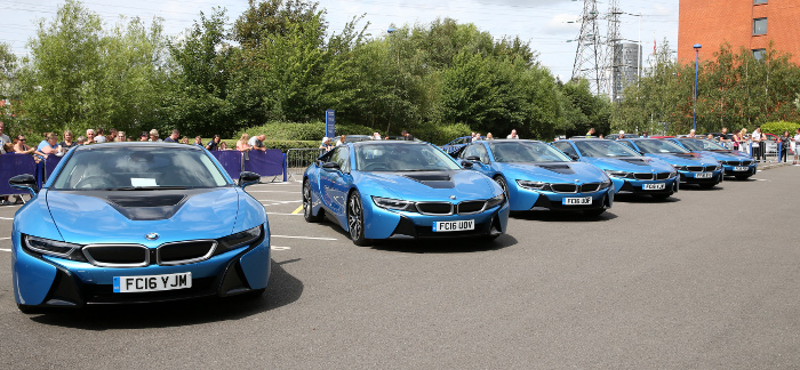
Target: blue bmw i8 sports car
535,175
734,162
630,171
401,189
694,168
137,222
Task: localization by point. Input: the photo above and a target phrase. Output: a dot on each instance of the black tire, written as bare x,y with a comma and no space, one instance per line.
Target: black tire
594,212
355,219
28,310
307,207
503,185
660,196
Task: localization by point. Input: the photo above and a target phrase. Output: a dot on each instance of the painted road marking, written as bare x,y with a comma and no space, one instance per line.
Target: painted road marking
300,237
5,250
277,248
281,214
272,191
278,201
6,218
5,238
296,211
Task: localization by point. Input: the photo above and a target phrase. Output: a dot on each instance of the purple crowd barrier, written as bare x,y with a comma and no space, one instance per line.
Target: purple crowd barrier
12,165
231,161
265,164
49,165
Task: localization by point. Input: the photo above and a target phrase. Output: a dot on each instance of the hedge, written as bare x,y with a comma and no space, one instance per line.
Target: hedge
777,128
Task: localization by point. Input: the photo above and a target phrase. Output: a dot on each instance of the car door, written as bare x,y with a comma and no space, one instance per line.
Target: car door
336,182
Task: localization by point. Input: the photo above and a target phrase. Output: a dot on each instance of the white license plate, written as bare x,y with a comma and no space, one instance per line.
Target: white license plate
152,283
703,175
576,201
741,169
660,186
447,226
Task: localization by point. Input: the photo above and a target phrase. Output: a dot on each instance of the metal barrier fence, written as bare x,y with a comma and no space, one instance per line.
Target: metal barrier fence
297,160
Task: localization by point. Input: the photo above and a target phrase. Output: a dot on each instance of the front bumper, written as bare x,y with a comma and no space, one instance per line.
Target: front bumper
45,281
689,177
637,186
385,224
523,199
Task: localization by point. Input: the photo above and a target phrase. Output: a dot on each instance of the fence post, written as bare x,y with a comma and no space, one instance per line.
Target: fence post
284,167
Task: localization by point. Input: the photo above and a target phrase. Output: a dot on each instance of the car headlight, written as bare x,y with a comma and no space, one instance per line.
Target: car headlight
605,184
496,201
240,239
53,248
394,204
621,174
534,185
673,173
719,166
680,168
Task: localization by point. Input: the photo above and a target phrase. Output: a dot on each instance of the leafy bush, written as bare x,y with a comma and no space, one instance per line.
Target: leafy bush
441,134
294,131
779,127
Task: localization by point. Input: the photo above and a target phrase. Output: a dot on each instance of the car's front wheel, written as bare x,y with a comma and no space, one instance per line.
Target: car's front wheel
307,204
503,185
355,219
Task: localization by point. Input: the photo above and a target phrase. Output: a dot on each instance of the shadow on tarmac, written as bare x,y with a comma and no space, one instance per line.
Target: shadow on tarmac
283,290
562,216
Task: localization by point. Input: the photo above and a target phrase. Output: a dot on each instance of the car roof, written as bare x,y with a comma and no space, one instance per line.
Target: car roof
136,144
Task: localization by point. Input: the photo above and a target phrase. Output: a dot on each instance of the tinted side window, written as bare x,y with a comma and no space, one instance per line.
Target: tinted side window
566,148
476,150
628,144
341,155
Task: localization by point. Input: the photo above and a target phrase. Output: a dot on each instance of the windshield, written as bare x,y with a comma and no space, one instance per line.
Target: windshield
133,167
659,146
697,145
526,151
387,156
604,149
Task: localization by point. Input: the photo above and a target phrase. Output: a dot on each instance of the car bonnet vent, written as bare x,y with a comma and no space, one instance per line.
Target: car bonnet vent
168,200
636,161
563,169
434,180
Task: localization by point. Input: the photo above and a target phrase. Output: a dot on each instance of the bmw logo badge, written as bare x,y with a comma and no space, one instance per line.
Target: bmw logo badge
453,197
151,236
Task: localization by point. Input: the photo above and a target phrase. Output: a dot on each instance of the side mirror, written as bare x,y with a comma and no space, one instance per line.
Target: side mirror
467,164
24,182
573,156
474,158
247,178
331,166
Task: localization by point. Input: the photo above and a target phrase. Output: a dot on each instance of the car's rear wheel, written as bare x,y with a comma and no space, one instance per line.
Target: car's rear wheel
355,219
307,206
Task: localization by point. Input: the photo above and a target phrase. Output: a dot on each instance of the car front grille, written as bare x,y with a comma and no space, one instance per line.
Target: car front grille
117,255
181,253
662,175
470,207
435,208
590,188
701,168
643,176
564,188
739,163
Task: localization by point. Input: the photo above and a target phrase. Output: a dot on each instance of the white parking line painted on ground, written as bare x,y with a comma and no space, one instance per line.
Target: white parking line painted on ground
282,214
6,218
5,250
278,201
277,248
272,191
5,238
300,237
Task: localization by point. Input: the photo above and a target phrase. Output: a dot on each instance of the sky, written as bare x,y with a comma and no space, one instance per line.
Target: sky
543,23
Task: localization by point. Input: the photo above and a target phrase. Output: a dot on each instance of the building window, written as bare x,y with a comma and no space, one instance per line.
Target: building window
760,26
759,54
756,2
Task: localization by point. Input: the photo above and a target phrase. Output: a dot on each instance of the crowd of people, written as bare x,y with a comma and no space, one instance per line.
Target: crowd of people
50,145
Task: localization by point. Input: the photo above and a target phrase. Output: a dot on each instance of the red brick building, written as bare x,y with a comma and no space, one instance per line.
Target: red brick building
749,23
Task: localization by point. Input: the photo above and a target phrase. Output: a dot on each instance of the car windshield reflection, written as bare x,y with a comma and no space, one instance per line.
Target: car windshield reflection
526,152
392,157
604,149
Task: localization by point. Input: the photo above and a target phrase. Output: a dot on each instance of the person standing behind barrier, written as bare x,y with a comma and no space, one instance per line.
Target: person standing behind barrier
100,137
20,147
796,148
784,141
741,140
513,135
756,144
723,138
48,147
4,139
406,135
257,142
214,143
67,144
90,137
173,137
242,145
376,136
326,145
198,140
222,146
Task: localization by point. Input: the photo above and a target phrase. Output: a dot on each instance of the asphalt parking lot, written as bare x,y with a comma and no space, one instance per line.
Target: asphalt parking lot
707,279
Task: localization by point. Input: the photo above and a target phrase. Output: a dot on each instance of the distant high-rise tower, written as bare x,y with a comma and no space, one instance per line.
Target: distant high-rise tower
589,55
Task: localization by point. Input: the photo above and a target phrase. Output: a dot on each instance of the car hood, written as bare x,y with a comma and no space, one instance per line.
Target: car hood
428,185
127,216
727,155
552,172
629,164
684,159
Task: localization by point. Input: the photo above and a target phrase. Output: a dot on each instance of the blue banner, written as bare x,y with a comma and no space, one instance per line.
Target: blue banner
265,164
330,123
12,165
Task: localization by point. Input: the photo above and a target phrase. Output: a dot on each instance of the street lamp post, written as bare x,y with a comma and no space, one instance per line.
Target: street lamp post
696,68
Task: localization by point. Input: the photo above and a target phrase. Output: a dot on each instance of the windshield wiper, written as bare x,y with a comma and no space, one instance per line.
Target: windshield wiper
135,188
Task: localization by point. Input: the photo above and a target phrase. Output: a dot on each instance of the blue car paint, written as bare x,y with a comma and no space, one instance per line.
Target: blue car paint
524,199
331,188
648,165
684,159
80,219
726,157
